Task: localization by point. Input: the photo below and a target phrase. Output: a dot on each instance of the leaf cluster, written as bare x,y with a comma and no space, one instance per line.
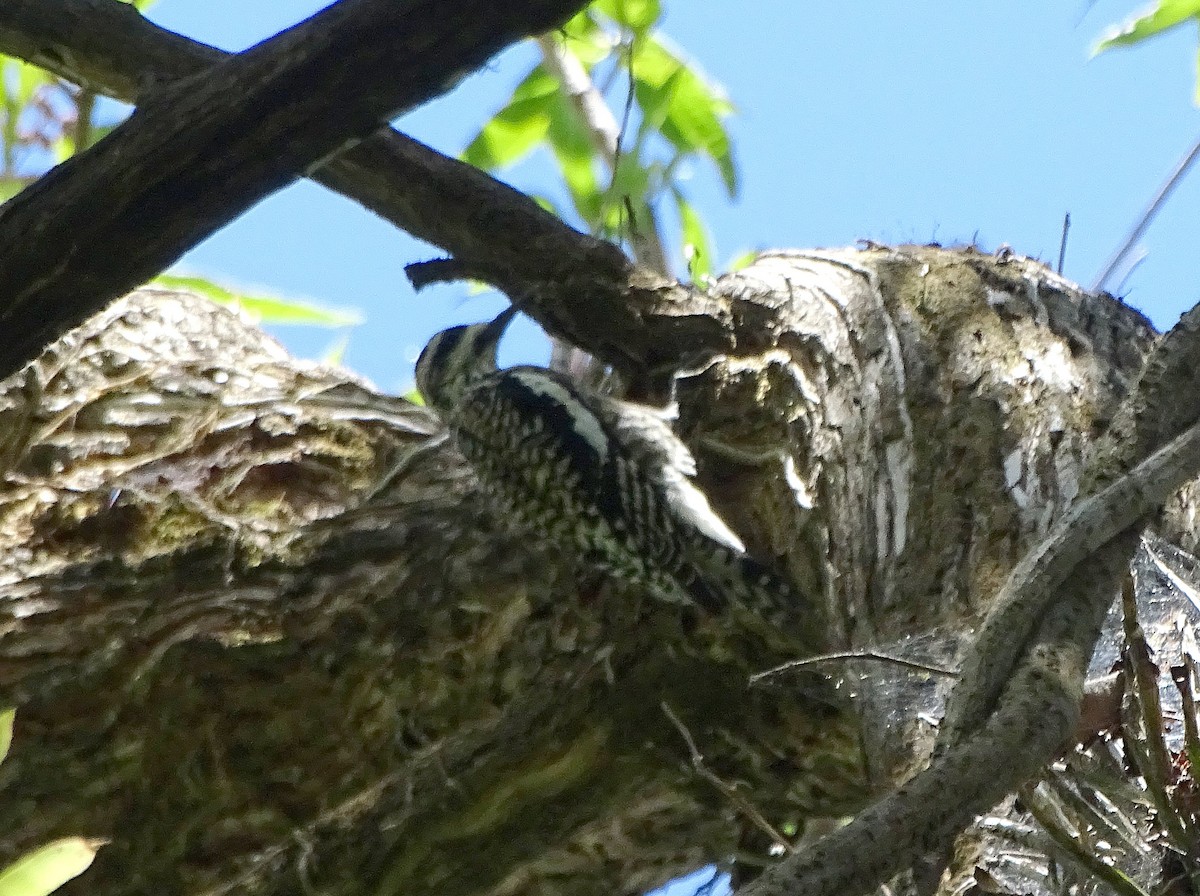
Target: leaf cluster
672,115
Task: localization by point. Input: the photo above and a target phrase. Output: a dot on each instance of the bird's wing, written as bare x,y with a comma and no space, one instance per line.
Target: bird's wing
646,434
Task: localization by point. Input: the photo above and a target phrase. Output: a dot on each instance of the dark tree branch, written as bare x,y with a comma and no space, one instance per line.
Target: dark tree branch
240,550
107,47
581,288
199,152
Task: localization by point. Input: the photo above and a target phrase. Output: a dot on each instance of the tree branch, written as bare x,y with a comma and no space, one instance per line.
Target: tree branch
938,802
201,151
1148,215
375,688
156,504
1002,726
581,288
1042,702
1090,525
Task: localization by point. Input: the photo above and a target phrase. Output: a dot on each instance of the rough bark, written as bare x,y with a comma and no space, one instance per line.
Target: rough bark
262,643
264,637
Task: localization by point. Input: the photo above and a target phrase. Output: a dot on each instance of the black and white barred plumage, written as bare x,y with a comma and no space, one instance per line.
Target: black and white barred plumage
608,479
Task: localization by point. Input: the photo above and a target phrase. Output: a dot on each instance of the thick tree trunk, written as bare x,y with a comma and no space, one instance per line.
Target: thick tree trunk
263,635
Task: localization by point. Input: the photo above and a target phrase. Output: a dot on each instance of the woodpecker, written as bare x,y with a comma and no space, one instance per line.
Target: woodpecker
607,479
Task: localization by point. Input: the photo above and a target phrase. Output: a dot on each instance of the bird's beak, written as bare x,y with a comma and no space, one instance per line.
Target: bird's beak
494,331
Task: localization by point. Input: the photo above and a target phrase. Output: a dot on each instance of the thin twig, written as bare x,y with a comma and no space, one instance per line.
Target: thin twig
1147,216
842,656
627,112
728,790
1011,625
1043,810
1141,256
1062,246
1148,746
604,133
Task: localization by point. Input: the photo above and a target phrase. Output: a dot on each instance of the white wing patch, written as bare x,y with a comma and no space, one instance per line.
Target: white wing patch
646,433
692,505
586,424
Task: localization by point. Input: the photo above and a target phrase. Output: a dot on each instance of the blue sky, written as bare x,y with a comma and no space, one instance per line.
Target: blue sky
894,122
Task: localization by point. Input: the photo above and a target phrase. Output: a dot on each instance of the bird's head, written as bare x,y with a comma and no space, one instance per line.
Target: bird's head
455,358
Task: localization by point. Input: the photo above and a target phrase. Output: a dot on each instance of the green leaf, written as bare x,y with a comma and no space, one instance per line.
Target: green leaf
63,148
11,186
335,353
517,128
1163,16
266,309
576,159
697,245
630,194
546,203
100,131
632,181
586,40
743,260
689,108
639,16
46,869
6,729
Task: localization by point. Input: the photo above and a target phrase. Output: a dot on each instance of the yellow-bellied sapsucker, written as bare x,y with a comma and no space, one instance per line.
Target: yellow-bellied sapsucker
608,479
